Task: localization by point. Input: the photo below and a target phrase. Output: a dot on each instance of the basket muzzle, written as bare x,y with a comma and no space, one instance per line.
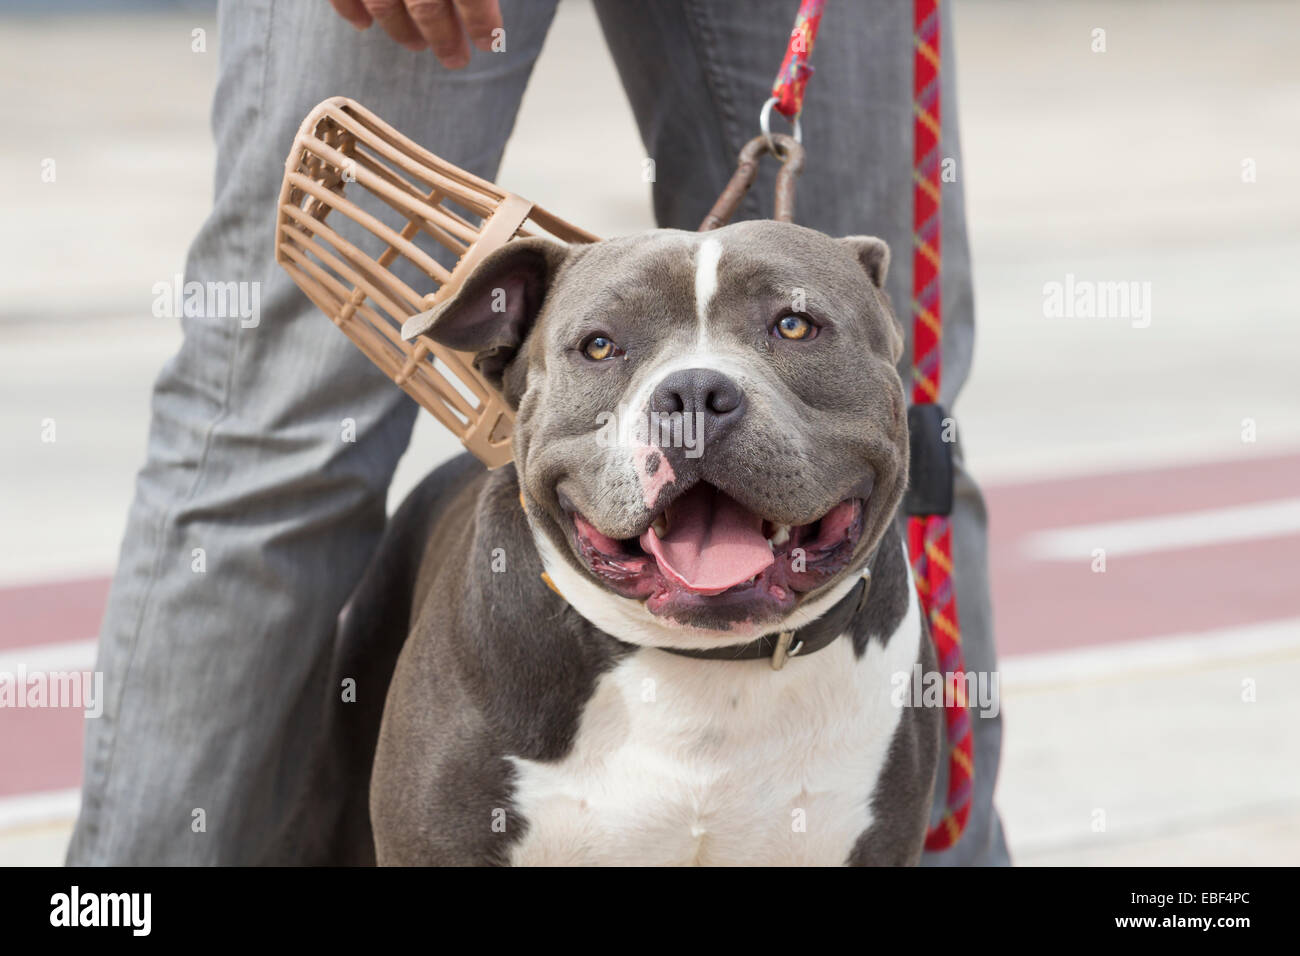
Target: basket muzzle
377,266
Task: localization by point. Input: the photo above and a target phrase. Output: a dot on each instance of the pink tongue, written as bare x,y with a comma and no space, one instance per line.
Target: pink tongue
712,543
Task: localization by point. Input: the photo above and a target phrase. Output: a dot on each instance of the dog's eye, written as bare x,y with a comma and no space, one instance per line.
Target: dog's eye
600,347
794,327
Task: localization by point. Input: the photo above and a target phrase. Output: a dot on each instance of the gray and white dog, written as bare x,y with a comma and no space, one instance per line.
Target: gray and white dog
630,650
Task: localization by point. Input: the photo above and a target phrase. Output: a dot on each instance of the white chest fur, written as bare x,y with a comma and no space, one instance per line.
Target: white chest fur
680,761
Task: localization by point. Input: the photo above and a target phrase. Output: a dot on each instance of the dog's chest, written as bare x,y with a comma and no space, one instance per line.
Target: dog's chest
679,761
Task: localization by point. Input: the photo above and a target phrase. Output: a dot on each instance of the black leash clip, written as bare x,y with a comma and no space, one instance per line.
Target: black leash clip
930,471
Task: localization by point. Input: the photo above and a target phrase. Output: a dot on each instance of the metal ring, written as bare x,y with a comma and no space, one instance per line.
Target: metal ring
765,124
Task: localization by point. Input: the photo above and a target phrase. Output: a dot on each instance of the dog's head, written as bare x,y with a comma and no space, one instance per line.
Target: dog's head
711,436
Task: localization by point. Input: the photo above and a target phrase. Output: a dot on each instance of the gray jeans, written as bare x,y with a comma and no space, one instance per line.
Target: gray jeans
215,660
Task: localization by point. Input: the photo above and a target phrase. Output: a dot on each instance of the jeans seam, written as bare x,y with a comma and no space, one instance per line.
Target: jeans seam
702,30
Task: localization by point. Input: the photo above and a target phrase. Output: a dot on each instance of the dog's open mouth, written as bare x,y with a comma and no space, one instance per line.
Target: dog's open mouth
706,552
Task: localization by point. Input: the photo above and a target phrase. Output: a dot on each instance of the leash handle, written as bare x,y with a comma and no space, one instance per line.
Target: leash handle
788,151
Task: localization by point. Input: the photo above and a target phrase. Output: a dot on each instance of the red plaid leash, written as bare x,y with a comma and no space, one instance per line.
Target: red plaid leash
792,78
929,538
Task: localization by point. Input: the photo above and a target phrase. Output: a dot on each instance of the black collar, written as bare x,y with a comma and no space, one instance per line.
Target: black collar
780,647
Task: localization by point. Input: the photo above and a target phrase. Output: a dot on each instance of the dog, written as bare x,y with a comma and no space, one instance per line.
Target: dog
624,650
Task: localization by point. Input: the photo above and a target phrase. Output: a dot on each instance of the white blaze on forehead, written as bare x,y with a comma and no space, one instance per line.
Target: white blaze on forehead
708,250
741,364
706,285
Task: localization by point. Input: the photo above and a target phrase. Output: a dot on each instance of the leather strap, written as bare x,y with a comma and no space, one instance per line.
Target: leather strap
779,647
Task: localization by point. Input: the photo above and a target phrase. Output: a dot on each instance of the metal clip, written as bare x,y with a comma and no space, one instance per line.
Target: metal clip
765,124
783,650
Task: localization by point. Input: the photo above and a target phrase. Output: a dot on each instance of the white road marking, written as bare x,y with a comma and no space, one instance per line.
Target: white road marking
64,656
26,566
1152,656
34,809
1266,519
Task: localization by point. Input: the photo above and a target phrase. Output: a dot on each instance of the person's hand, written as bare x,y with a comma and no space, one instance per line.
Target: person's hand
442,25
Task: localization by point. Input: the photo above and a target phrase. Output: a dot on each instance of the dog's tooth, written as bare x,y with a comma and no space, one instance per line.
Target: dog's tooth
780,536
660,526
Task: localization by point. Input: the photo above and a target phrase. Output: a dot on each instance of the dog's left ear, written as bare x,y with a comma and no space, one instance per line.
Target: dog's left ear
493,311
873,255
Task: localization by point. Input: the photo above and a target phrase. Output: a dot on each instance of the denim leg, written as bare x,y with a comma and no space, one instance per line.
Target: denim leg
697,72
254,514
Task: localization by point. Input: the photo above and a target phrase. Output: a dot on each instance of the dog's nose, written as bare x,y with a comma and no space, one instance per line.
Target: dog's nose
716,399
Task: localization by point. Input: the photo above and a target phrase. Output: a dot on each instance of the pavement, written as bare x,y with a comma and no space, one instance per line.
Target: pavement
1146,705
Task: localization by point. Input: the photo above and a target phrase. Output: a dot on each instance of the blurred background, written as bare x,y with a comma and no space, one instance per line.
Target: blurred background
1146,708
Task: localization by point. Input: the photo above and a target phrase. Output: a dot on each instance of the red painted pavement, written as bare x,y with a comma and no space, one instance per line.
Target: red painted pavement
52,613
40,750
1052,605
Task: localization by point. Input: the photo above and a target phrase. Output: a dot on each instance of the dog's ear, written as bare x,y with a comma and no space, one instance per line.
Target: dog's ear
873,255
493,311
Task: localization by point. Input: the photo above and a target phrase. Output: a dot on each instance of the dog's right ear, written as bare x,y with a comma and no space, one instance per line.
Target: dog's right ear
493,311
